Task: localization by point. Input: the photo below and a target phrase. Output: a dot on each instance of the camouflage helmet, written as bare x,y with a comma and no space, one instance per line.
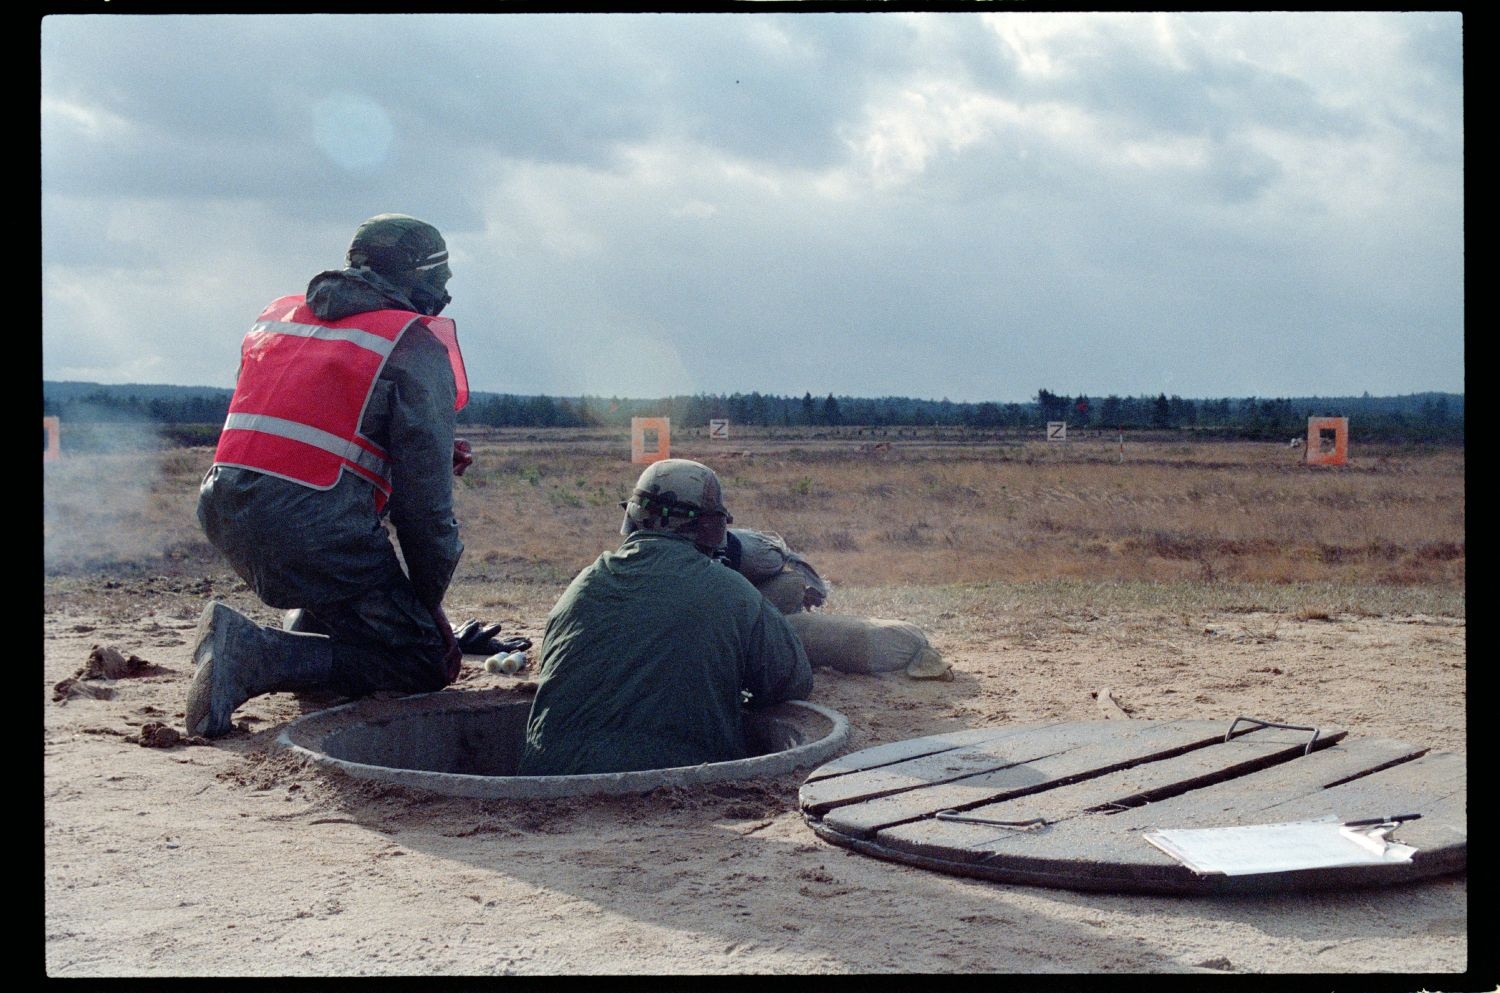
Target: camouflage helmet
672,494
409,253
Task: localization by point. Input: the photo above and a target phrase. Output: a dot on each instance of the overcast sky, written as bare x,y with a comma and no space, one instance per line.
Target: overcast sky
962,205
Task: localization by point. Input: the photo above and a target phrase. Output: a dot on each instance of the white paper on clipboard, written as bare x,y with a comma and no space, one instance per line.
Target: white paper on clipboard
1247,849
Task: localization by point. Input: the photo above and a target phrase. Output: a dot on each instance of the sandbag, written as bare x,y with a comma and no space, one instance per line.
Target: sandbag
763,555
785,590
868,645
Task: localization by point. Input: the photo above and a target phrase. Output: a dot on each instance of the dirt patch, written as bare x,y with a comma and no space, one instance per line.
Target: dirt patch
246,860
104,664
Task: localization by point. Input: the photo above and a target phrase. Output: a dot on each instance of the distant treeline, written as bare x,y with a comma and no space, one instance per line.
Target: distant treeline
1418,417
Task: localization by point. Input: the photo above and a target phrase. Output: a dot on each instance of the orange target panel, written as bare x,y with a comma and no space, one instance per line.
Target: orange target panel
650,439
1327,440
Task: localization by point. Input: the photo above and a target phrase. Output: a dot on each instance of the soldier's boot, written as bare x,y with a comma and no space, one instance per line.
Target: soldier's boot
236,659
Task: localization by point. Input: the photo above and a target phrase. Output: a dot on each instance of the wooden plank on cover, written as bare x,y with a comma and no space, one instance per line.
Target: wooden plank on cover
1203,807
899,751
1005,747
1137,748
1086,831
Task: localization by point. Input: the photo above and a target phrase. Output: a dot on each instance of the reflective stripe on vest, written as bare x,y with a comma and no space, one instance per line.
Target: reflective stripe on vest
364,458
442,328
301,395
364,339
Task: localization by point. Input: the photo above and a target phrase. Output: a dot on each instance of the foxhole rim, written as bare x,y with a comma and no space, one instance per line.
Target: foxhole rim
296,738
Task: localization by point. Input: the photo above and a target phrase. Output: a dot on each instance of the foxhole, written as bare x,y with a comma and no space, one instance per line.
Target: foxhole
469,745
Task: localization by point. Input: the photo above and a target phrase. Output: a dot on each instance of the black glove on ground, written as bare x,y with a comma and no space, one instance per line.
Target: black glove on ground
478,638
474,636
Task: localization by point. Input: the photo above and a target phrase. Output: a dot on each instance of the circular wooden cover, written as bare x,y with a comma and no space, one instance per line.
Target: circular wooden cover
1068,804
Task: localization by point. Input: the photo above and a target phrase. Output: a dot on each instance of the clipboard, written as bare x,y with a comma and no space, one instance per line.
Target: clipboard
1248,849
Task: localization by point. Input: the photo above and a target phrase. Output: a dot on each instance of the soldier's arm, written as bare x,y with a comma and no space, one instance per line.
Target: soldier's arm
421,447
776,667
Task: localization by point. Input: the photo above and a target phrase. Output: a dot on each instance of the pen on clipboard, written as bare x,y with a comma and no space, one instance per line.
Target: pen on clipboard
1393,819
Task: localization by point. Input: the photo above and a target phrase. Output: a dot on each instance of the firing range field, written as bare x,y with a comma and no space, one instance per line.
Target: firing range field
1199,581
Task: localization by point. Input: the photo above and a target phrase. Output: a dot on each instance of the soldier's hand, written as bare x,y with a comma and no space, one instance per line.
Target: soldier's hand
463,456
453,656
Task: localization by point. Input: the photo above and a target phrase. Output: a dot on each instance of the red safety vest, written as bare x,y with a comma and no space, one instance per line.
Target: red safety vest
302,390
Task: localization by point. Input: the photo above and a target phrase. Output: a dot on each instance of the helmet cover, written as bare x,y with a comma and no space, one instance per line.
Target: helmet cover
672,494
408,252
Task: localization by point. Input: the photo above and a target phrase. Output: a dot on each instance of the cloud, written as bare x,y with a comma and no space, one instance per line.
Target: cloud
961,204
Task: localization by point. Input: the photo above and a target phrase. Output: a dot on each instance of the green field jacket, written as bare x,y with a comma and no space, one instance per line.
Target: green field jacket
644,659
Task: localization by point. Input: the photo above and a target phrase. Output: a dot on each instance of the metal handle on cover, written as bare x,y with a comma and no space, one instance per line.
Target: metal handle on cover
953,815
1272,724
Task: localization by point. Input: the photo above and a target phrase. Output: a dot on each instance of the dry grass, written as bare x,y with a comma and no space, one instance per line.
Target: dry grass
538,505
933,514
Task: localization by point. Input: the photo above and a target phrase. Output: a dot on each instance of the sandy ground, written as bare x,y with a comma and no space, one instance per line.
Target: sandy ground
235,859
